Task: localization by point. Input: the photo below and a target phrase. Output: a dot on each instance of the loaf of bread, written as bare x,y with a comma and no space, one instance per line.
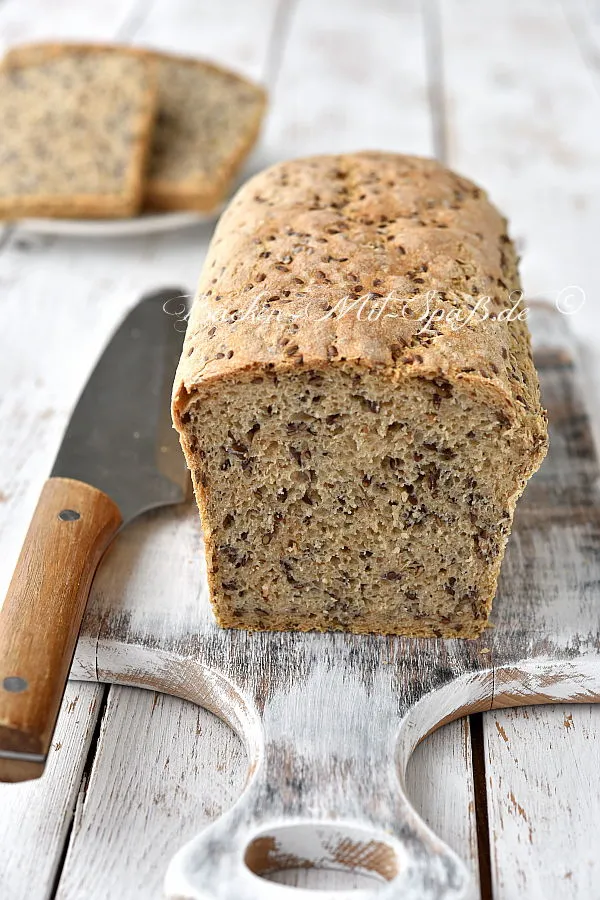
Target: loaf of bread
358,430
208,119
76,133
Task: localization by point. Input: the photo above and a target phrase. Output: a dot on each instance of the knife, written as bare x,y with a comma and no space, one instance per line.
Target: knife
119,457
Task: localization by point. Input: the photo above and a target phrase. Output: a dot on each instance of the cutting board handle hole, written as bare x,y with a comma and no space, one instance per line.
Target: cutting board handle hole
369,859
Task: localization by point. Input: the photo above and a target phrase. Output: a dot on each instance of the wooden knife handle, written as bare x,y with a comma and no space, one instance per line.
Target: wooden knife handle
40,620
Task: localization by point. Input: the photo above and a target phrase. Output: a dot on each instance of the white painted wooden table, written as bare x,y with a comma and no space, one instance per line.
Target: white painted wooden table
508,93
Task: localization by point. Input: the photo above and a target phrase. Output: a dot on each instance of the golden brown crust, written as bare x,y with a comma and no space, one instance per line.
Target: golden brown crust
298,238
123,196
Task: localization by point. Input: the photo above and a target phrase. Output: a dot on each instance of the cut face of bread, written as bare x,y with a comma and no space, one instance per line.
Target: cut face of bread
76,131
208,122
357,428
343,498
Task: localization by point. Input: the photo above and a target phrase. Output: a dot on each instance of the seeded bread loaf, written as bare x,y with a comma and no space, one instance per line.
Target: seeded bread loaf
76,133
357,470
208,120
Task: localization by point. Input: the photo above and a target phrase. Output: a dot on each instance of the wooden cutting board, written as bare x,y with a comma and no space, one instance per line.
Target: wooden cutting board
330,720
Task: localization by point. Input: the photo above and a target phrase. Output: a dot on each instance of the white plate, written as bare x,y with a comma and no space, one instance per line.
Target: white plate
107,228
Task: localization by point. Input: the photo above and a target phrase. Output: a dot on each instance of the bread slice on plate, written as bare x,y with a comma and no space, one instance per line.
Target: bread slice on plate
77,125
208,121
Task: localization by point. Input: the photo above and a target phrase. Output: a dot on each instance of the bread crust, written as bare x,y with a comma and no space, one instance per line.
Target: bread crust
271,214
121,204
301,235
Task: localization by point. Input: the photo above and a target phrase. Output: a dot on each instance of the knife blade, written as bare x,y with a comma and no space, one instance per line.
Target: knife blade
119,457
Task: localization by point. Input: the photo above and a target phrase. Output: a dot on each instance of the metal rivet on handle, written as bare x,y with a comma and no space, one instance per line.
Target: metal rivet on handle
14,684
69,515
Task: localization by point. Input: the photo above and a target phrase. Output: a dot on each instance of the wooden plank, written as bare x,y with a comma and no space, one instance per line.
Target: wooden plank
226,32
60,301
36,816
522,119
584,18
353,77
439,783
543,768
164,769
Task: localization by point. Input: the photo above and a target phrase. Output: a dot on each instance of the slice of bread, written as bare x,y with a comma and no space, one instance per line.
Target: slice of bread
77,125
208,120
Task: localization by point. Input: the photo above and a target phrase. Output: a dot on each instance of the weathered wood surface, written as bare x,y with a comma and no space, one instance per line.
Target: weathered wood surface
342,84
36,816
202,772
69,295
535,784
